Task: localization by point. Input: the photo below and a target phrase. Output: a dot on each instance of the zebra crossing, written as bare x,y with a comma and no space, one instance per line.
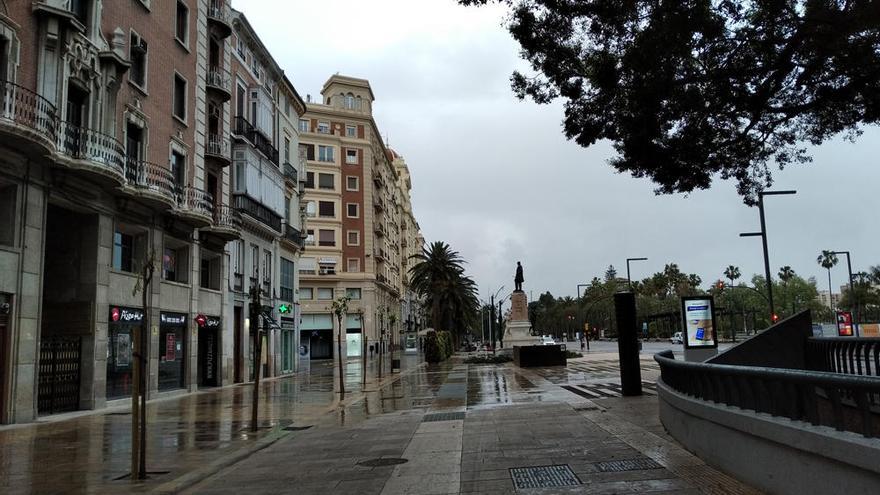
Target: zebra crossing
606,390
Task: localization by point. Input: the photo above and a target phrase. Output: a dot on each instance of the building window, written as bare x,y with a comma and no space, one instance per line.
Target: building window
182,30
286,149
304,125
354,238
179,97
354,265
255,263
175,261
209,271
138,57
178,168
128,250
323,127
351,183
353,293
308,266
310,237
351,157
286,282
310,180
326,209
352,210
325,293
350,131
306,293
8,195
326,237
326,181
325,153
236,255
310,209
267,272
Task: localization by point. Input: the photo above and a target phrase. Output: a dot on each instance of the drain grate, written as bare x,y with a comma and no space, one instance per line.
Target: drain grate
296,428
451,416
628,465
384,461
543,477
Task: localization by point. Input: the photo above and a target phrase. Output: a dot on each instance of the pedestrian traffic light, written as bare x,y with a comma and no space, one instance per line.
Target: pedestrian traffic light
284,309
775,317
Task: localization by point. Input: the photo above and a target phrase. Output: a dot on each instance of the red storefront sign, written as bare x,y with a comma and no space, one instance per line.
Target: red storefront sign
844,324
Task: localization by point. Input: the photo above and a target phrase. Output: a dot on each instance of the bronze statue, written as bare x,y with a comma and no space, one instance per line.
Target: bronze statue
519,279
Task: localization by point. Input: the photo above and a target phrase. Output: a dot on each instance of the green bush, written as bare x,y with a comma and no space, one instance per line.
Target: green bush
432,348
489,359
446,348
572,354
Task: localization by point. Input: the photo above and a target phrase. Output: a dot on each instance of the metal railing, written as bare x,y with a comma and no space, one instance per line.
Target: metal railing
81,143
26,108
150,176
262,143
245,204
219,78
218,10
290,173
197,201
293,235
227,217
847,355
844,402
217,145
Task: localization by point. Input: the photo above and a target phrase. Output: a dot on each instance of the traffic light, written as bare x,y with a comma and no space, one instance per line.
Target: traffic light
284,309
775,317
719,285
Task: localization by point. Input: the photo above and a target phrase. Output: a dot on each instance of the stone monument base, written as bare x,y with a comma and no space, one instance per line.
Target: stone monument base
517,333
529,356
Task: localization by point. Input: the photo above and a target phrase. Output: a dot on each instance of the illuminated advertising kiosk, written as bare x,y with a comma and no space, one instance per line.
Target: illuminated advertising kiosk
700,332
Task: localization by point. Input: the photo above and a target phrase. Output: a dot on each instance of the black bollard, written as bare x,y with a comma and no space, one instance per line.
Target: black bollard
628,343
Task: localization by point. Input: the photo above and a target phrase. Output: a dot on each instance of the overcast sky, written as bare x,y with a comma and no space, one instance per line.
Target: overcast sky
496,179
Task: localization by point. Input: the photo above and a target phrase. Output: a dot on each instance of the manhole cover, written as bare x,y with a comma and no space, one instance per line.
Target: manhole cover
385,461
543,477
296,428
452,416
628,465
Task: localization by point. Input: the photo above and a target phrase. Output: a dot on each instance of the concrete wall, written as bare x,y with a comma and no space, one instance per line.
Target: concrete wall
781,346
773,454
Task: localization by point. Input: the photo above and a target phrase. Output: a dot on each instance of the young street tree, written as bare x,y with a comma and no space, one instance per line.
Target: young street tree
691,91
339,307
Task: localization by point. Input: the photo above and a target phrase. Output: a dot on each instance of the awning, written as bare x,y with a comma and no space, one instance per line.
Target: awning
270,322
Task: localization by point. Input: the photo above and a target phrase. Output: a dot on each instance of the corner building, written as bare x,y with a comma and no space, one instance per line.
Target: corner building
115,148
358,219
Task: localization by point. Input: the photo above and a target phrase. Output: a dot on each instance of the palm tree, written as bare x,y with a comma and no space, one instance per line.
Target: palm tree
828,259
438,275
732,273
786,273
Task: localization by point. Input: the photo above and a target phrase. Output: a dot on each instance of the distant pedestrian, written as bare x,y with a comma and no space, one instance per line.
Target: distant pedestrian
583,344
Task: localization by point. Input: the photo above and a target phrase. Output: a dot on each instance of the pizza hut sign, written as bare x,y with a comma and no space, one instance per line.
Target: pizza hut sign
125,315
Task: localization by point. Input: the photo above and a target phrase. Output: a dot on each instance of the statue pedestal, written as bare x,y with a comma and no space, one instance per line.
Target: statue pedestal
517,330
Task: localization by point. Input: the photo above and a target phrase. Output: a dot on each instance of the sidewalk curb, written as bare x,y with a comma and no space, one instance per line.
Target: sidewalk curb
193,477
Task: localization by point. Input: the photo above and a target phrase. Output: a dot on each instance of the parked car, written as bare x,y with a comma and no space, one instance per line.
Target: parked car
676,338
548,340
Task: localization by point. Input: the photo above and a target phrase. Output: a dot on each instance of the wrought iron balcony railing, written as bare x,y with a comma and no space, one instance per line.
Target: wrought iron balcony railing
227,217
25,108
218,147
99,149
150,177
290,173
197,201
246,130
219,15
294,235
220,79
245,204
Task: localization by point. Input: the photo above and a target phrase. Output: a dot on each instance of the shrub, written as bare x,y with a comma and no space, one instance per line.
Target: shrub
445,340
432,348
572,354
489,359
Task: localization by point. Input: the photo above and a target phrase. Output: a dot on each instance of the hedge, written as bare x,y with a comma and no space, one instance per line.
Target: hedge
438,346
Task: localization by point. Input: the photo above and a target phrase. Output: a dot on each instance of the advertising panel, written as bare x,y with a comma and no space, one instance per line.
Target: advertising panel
844,324
698,313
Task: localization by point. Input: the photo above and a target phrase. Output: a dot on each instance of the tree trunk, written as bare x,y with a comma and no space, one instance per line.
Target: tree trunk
339,353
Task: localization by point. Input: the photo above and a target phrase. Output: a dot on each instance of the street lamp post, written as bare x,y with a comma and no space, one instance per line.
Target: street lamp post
628,281
852,293
763,235
491,327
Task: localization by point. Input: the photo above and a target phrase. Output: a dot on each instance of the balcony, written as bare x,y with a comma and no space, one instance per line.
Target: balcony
379,229
293,236
219,83
246,130
379,254
377,179
91,150
27,114
290,173
219,18
227,223
378,203
151,182
217,150
257,211
196,206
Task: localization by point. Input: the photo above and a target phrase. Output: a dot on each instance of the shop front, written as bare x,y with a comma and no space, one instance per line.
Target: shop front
121,329
172,351
316,336
208,328
288,344
353,336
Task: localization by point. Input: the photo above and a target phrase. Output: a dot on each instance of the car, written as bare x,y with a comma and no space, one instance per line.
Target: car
548,340
676,338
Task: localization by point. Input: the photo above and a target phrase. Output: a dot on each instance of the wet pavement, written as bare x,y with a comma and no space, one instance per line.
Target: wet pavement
447,428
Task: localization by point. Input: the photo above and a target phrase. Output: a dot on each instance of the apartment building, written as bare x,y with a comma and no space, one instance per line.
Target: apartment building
116,152
356,212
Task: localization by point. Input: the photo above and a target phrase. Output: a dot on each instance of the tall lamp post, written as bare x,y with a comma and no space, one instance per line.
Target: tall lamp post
628,281
852,293
763,235
491,327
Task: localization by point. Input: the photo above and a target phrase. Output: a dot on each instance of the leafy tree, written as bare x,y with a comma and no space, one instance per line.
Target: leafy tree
339,308
687,91
828,259
732,273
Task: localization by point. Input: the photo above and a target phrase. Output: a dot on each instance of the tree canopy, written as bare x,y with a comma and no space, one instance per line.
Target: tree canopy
688,91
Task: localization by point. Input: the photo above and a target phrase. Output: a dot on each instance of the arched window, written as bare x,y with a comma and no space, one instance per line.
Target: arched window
357,103
349,101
